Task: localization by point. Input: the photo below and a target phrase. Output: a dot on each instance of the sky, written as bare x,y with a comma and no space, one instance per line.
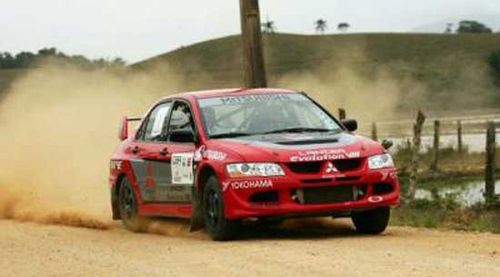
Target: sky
139,29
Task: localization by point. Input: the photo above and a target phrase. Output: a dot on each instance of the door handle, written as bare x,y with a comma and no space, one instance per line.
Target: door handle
164,151
136,149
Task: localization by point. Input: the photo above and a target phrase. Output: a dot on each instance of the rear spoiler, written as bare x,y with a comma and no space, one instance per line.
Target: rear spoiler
123,129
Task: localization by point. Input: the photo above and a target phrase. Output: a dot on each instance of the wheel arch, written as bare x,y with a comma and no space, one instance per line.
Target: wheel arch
204,173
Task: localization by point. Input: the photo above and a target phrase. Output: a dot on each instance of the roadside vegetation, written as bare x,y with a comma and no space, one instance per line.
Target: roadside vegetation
449,214
456,170
26,59
453,166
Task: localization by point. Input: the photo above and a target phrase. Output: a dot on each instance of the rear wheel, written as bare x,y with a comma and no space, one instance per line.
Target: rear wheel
216,223
127,205
372,221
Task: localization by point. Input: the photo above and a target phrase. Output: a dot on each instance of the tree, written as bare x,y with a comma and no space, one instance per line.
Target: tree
268,27
343,26
449,28
24,59
27,59
45,52
470,26
7,60
320,25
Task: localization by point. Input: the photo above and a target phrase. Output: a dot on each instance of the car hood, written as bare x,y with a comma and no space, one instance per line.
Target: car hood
303,147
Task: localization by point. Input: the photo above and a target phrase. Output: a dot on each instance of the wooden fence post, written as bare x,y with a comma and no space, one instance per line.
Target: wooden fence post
374,131
435,148
489,190
417,133
459,137
342,114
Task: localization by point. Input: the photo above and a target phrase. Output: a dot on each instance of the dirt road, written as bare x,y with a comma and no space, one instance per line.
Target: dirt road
29,249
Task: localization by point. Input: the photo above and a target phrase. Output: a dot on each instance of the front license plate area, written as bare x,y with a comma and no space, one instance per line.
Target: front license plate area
327,195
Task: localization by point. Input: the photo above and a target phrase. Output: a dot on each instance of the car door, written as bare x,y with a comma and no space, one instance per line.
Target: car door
180,154
151,159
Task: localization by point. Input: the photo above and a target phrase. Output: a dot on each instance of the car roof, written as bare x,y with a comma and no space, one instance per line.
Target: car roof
191,95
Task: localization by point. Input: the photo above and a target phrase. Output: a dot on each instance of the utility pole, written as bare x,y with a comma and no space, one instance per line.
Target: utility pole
253,58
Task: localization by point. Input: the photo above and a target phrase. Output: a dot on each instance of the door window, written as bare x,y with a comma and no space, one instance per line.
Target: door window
154,130
181,118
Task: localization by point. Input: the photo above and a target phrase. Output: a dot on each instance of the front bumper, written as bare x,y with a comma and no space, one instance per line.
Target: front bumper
286,194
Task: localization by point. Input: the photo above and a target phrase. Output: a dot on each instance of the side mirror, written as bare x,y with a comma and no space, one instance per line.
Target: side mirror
387,144
350,124
182,135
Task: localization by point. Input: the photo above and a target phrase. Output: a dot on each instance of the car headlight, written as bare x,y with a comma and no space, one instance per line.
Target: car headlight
254,169
380,161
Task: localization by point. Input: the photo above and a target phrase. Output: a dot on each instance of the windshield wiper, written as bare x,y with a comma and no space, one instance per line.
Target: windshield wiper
299,130
230,135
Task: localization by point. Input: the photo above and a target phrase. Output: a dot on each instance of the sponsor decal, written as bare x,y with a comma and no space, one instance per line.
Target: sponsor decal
393,174
247,184
231,100
375,199
182,168
198,154
323,155
215,155
203,153
388,174
330,168
116,165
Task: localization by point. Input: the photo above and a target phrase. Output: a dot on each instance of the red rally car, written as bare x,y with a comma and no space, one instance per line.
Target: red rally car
224,157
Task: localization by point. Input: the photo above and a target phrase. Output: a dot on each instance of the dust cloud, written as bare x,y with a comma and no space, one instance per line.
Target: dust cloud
58,126
373,89
348,81
58,129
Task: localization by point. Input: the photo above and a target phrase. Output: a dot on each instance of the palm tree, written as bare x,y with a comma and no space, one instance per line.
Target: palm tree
268,27
320,25
343,26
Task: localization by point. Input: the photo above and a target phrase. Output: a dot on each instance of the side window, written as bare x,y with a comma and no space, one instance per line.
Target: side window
181,118
154,130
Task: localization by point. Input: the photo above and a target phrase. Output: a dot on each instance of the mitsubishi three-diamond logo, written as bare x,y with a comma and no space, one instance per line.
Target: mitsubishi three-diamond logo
330,168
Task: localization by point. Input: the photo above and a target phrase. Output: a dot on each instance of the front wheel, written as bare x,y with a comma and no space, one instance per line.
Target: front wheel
372,221
216,223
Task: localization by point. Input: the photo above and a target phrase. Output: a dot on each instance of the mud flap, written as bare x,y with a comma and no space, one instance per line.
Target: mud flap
196,223
114,203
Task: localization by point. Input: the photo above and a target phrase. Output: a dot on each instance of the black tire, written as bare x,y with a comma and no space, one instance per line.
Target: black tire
218,227
127,206
372,221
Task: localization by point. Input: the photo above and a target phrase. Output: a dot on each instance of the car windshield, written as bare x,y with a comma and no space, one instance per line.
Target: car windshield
246,115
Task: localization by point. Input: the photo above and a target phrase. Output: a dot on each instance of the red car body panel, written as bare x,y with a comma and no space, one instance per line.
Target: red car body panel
140,162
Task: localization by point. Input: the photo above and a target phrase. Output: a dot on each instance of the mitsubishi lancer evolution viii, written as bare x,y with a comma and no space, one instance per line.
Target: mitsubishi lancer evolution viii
222,158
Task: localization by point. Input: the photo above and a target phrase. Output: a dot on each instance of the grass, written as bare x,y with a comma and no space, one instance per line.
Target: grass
453,167
447,214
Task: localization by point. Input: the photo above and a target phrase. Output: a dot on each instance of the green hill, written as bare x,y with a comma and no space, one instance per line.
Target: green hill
436,71
383,75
